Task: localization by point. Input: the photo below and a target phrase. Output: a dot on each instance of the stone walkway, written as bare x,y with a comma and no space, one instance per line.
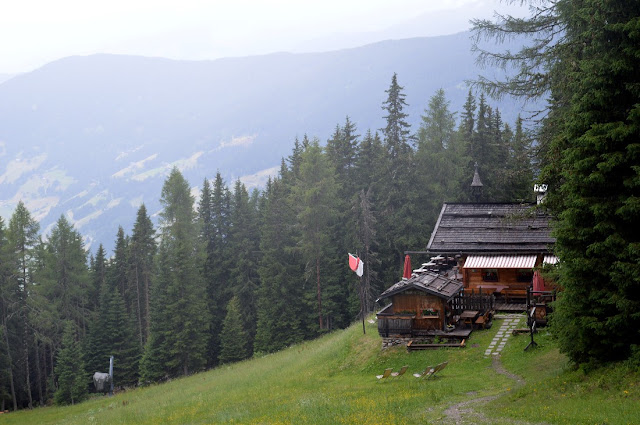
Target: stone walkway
509,323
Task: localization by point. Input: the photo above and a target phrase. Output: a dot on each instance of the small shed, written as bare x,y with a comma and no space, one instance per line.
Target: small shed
418,305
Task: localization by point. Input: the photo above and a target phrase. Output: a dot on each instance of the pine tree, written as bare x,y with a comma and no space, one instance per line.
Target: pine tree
72,378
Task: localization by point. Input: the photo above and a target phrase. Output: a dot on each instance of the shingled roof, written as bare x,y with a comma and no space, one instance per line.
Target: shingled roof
429,282
491,227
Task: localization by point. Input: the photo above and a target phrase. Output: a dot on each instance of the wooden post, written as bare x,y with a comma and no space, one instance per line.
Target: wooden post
362,312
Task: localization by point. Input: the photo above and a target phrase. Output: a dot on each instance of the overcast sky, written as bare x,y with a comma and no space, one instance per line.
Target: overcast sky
34,32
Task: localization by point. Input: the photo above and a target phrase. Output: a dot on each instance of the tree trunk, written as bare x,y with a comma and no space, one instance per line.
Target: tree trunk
139,311
27,367
39,374
147,318
319,292
6,340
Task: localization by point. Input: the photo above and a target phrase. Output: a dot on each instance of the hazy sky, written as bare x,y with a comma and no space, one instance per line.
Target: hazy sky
34,32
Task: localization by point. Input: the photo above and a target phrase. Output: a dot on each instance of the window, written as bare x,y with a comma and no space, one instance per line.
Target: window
490,275
524,275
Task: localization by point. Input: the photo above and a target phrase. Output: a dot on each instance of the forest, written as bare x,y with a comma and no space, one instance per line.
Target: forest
236,274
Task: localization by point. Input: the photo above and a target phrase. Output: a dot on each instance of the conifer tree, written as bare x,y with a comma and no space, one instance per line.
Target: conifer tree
214,215
71,376
279,297
244,242
185,336
397,199
22,237
118,269
7,295
436,159
315,195
233,338
63,277
142,250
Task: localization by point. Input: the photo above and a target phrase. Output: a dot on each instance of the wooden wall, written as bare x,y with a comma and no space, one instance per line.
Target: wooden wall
506,277
417,302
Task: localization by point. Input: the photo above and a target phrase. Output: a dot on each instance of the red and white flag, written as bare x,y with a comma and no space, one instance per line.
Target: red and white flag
356,264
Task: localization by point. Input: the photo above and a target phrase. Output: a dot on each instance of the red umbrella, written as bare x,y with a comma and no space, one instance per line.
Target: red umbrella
407,267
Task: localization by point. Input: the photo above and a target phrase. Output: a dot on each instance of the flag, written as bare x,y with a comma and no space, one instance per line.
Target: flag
356,264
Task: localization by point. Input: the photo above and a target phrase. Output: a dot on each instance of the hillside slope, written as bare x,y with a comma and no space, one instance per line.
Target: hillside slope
332,380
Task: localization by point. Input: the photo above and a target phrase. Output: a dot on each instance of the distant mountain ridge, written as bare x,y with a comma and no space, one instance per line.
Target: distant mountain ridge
93,137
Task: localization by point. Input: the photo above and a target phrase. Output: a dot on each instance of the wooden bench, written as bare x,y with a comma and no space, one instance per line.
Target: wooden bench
514,293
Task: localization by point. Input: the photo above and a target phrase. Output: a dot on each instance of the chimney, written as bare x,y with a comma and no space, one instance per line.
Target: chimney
541,192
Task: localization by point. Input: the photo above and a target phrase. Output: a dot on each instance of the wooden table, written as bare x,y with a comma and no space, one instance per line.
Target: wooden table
492,288
468,316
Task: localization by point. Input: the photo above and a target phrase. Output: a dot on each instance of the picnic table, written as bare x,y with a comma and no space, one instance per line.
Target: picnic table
468,316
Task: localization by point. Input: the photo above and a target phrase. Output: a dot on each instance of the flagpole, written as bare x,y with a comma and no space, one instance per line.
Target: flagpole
362,306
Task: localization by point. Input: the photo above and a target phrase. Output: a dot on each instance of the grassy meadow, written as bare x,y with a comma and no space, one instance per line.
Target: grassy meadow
332,381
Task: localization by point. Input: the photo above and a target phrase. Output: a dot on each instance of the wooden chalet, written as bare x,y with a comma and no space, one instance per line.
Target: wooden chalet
497,246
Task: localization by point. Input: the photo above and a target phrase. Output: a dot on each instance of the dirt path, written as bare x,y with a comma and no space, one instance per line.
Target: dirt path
463,413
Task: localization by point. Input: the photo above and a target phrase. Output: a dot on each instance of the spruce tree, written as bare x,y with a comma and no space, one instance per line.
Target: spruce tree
214,214
233,338
436,159
314,196
71,376
142,250
279,297
244,242
185,308
397,198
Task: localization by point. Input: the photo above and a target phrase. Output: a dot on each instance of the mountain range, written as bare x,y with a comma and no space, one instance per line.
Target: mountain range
93,137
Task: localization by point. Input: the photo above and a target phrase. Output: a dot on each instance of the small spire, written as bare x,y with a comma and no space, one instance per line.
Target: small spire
476,177
476,185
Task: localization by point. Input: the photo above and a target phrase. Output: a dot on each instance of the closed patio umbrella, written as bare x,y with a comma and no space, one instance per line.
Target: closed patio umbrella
538,282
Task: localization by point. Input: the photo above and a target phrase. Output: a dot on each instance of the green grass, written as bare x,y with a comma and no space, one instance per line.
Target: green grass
332,380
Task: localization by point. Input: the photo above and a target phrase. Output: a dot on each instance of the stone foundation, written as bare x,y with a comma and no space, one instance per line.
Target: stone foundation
393,341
